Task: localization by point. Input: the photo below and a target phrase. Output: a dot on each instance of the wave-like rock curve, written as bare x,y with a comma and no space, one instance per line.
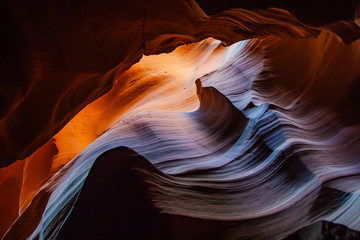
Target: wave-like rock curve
255,154
58,62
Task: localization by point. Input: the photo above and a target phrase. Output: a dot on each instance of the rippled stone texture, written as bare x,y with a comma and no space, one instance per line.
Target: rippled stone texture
59,61
266,145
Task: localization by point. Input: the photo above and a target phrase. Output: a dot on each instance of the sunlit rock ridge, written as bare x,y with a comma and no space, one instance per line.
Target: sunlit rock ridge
180,120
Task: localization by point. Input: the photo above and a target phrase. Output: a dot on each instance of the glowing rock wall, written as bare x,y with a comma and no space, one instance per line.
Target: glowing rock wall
260,137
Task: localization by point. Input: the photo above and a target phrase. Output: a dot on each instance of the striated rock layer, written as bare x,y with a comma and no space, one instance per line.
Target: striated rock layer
253,154
251,141
57,62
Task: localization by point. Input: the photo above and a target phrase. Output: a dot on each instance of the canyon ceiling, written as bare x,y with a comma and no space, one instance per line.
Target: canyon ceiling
181,119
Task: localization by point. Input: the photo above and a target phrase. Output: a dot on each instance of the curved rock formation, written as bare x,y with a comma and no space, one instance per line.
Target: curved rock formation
253,139
71,54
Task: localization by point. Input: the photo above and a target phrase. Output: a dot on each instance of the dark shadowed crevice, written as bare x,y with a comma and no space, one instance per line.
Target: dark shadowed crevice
113,204
143,41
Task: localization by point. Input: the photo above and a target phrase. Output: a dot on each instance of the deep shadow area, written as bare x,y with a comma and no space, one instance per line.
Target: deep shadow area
350,108
333,231
324,230
113,204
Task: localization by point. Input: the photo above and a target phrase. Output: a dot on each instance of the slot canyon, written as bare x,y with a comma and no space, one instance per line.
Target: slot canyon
180,119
